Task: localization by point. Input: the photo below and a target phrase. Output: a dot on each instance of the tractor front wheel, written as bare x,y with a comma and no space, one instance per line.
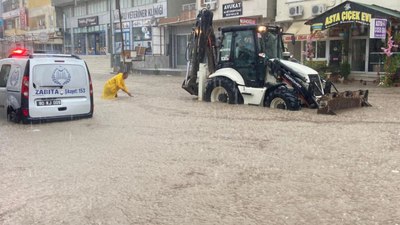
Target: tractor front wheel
282,98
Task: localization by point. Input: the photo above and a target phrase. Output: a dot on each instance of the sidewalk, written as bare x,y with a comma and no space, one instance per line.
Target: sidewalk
160,71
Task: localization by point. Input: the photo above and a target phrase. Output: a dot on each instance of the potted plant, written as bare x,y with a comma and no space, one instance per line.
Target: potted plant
391,68
345,70
392,62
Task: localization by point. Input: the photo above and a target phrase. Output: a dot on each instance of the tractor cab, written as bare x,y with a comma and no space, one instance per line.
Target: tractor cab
247,48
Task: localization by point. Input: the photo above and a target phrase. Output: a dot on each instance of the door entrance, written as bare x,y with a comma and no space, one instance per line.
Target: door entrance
96,43
335,53
182,41
358,49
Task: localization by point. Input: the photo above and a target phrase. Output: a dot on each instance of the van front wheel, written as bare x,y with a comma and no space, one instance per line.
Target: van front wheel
13,115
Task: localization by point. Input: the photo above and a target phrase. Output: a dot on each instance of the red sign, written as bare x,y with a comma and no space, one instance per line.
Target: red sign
245,21
23,18
303,37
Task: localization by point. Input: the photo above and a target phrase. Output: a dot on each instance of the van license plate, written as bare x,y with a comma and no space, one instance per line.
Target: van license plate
48,102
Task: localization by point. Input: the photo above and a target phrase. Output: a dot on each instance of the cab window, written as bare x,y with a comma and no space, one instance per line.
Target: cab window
4,73
244,46
225,50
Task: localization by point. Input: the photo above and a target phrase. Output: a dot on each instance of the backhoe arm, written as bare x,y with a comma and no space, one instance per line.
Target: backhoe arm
202,44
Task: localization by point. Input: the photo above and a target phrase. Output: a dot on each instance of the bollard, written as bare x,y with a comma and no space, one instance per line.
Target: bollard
201,74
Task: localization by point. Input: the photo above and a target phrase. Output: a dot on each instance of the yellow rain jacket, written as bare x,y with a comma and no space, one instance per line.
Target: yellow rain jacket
113,85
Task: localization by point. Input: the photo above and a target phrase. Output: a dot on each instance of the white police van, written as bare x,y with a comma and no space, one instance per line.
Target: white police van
44,87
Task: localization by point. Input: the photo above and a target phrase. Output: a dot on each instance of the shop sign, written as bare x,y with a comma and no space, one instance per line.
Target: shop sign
23,18
125,25
345,13
347,17
137,23
11,14
377,28
232,9
143,12
245,21
304,37
88,21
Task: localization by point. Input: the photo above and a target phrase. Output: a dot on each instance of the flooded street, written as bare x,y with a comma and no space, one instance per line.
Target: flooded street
162,157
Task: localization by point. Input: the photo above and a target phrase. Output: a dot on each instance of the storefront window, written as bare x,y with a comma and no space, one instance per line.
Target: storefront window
141,36
10,24
358,30
319,49
96,43
118,41
376,55
80,44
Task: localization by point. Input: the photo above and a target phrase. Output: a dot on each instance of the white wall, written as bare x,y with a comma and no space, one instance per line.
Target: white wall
250,8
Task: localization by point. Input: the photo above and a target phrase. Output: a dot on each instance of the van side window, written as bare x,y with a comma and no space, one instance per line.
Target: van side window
4,73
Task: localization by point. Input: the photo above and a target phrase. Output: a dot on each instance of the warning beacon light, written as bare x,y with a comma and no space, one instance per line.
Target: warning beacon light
19,52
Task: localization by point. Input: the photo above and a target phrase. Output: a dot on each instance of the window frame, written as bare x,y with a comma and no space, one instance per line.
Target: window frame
316,52
4,75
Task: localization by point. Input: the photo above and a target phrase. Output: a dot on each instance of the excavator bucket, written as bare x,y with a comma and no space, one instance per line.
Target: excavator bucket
332,102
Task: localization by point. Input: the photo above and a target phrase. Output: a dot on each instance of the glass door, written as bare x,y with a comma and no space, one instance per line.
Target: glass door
335,53
359,51
182,41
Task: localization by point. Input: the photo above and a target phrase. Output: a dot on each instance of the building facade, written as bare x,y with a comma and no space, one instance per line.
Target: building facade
93,27
30,24
349,40
226,13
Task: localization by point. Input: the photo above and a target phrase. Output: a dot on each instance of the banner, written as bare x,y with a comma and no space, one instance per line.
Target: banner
377,28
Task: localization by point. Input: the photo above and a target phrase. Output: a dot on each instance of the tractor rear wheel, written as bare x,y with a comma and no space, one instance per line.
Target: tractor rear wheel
221,89
282,98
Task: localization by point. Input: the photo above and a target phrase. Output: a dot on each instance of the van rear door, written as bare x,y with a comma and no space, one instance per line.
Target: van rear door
58,87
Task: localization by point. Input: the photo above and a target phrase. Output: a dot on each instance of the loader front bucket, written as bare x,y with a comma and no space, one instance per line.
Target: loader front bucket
332,102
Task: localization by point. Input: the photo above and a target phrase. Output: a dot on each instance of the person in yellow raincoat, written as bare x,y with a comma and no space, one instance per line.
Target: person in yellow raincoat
114,84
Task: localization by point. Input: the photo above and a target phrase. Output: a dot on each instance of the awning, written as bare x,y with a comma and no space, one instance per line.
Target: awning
299,28
351,12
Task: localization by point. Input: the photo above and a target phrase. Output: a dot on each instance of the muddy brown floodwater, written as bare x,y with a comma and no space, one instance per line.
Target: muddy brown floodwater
162,157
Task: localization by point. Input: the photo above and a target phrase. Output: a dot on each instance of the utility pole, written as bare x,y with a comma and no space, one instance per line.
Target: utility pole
118,6
64,33
111,45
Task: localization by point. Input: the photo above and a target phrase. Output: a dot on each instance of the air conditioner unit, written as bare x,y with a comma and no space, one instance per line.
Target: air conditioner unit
318,9
296,10
212,6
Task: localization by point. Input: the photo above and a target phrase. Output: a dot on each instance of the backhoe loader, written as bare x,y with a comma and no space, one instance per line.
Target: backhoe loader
247,66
